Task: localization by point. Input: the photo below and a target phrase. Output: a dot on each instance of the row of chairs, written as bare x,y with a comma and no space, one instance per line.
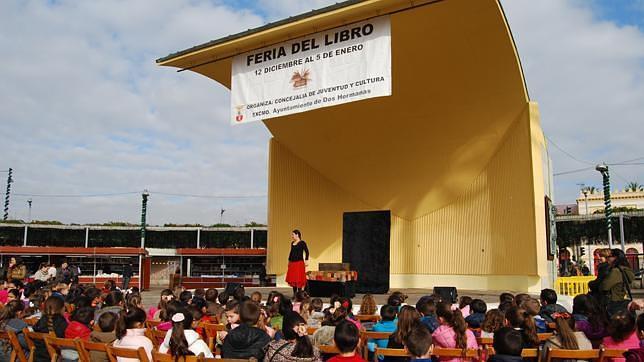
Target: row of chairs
482,353
84,349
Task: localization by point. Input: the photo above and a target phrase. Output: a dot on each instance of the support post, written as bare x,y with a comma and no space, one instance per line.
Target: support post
144,211
24,238
7,194
252,237
621,232
198,238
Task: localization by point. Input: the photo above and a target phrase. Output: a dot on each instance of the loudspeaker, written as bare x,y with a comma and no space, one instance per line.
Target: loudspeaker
231,287
448,294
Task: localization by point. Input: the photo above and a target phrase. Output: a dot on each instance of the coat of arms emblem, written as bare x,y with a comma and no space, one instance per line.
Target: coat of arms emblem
300,78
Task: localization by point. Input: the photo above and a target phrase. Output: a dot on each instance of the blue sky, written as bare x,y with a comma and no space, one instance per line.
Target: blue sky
85,110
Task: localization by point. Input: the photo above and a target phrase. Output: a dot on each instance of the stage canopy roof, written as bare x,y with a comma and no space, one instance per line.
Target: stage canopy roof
457,85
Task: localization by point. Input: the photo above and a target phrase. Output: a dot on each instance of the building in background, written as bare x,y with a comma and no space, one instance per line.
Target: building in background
593,201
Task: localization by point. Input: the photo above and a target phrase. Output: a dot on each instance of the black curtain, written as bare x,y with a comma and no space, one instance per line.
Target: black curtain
365,245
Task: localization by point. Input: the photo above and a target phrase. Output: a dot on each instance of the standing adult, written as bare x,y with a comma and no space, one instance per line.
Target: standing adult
127,275
617,284
602,272
297,261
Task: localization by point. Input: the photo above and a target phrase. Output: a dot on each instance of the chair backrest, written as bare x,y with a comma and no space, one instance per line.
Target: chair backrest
114,352
389,352
84,348
367,317
31,321
457,353
376,335
530,353
484,341
156,336
55,345
611,353
17,352
164,357
211,330
571,354
332,349
152,324
544,336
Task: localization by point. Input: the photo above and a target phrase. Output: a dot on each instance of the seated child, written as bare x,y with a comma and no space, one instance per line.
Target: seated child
246,340
637,354
426,306
622,333
106,324
316,315
477,316
494,320
387,323
464,305
419,343
80,327
549,305
508,344
346,338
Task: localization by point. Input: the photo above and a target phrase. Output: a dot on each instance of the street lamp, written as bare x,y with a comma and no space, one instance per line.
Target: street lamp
29,203
608,211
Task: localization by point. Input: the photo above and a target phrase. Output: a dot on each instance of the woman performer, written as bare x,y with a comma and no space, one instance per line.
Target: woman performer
296,274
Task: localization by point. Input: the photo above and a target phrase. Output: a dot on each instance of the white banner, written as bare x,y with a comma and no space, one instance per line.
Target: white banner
337,66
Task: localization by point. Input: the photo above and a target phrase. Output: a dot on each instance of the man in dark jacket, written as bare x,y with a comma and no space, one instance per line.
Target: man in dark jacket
127,275
508,345
549,305
246,340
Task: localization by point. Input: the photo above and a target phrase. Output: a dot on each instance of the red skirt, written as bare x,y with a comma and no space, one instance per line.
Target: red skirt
296,274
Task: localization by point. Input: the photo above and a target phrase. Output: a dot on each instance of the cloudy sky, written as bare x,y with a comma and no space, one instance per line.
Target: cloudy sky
84,110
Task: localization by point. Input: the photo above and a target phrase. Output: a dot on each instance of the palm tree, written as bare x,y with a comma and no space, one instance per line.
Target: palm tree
588,190
634,187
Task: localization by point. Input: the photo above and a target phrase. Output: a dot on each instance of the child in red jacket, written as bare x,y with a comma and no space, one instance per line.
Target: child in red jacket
81,324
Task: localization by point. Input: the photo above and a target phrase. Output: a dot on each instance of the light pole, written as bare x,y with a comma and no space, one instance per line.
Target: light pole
608,211
221,216
29,203
7,194
144,213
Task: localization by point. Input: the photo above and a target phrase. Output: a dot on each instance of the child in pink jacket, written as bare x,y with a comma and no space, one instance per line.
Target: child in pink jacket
452,332
622,333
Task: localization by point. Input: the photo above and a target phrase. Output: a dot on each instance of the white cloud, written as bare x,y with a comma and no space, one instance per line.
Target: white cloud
85,110
586,74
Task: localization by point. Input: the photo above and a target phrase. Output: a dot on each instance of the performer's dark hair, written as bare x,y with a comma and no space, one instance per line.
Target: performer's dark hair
298,233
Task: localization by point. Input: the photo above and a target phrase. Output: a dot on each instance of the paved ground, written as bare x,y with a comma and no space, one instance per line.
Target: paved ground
151,297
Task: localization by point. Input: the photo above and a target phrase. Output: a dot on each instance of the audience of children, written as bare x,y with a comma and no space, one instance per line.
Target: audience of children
278,330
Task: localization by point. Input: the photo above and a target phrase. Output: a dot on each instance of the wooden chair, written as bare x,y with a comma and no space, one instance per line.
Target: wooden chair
330,349
56,345
164,357
211,332
156,336
17,352
311,330
152,324
389,352
610,353
457,353
114,352
31,336
367,317
544,336
571,354
484,341
84,348
531,353
31,321
4,337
